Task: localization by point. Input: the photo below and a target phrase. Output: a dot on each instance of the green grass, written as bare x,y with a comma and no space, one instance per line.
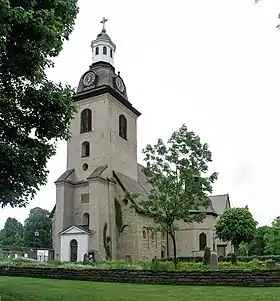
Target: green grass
28,289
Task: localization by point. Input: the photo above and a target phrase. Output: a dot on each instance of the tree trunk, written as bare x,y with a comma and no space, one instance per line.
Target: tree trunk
174,249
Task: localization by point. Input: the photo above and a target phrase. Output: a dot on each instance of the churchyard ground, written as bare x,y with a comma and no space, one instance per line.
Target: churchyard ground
30,289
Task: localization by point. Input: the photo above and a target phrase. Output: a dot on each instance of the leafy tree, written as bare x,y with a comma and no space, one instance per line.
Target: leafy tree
272,238
243,249
236,225
34,112
12,233
257,245
40,221
176,172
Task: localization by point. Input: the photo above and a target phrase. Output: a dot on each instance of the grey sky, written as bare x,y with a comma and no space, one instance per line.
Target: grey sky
212,64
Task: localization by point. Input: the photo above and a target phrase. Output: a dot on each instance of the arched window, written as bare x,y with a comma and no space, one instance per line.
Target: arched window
122,126
96,50
153,235
86,121
111,53
104,50
202,241
73,250
86,220
144,234
85,149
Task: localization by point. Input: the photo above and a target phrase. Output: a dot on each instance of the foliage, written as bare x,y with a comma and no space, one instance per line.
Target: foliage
34,112
40,221
257,245
139,265
176,172
243,249
272,238
12,233
236,225
207,255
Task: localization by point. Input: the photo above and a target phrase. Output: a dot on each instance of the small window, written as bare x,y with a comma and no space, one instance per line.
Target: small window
122,126
85,149
96,50
202,241
86,220
86,121
153,235
85,198
144,234
105,50
111,53
85,166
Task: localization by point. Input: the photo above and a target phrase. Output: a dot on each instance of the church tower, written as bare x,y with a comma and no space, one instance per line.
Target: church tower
104,129
103,142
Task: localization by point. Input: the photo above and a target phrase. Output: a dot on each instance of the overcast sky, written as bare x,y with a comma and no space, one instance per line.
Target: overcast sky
212,64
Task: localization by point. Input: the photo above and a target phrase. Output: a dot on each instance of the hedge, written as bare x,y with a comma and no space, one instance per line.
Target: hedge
276,258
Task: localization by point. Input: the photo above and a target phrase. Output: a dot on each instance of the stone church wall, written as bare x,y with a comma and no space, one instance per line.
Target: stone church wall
80,208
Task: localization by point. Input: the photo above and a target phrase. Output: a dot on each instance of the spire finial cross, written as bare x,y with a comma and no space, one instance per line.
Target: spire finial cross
104,20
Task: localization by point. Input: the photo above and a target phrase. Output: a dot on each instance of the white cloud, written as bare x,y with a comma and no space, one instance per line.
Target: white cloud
213,65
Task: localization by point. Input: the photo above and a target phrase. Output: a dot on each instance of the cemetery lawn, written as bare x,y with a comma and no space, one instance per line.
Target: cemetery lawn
34,289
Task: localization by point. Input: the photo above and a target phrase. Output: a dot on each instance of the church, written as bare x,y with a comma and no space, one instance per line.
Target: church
92,215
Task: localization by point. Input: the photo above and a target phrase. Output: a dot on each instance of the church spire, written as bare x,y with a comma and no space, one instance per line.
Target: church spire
103,49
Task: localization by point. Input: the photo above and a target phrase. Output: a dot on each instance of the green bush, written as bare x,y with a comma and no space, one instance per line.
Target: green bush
254,264
228,258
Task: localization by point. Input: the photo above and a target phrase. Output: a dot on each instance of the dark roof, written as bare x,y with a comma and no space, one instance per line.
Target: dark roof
104,83
52,212
83,228
103,36
65,176
142,187
97,172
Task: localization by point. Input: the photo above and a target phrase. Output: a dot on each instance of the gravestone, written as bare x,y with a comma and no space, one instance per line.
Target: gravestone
91,255
155,262
214,261
128,259
233,259
86,258
31,254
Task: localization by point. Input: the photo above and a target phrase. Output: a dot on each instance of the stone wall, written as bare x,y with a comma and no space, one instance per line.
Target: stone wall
230,278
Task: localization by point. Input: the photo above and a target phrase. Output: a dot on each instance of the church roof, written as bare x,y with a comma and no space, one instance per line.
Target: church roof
142,187
65,176
220,202
104,83
79,227
103,36
97,172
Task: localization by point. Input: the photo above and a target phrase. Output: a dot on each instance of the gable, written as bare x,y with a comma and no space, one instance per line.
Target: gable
220,203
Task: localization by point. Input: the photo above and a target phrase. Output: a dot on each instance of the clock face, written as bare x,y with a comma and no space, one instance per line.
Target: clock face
89,78
119,84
